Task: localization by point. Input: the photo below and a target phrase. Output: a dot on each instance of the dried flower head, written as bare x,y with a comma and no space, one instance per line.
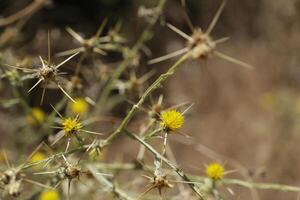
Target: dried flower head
215,171
158,181
200,44
96,43
11,181
47,73
171,120
49,195
67,171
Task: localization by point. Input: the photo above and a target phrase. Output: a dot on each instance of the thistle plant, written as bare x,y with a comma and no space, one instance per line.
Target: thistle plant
47,73
70,127
140,125
200,44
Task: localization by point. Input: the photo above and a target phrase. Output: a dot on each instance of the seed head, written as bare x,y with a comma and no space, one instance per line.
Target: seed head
12,182
71,125
72,171
215,171
201,44
171,120
48,73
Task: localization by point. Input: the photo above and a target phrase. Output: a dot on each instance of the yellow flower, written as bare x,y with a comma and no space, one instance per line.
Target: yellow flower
171,120
71,125
80,106
215,171
37,157
36,117
49,195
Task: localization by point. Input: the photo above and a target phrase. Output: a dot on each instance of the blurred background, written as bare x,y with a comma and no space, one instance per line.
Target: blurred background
248,119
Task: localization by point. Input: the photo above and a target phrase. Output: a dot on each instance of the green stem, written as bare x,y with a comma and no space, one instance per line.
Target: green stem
114,189
202,179
170,164
135,49
150,89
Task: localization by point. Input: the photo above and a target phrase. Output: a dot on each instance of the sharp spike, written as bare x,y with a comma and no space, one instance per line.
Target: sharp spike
75,35
36,84
233,60
6,158
58,136
68,145
187,109
37,183
188,21
66,60
69,52
221,40
100,29
145,192
147,76
91,132
43,95
44,173
69,189
66,93
22,68
42,61
216,17
179,32
99,51
56,111
49,48
168,56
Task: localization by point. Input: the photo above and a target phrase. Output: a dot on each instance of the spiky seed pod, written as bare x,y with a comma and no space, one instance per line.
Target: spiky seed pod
201,45
72,171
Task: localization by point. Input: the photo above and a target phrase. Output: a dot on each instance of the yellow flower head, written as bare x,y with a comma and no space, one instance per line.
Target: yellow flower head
171,120
215,171
37,157
49,195
36,117
71,125
80,106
